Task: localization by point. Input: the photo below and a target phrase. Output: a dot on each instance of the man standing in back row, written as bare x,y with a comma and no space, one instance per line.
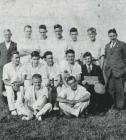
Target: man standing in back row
115,68
6,49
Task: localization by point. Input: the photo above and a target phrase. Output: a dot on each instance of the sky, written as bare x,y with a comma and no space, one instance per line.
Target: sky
101,14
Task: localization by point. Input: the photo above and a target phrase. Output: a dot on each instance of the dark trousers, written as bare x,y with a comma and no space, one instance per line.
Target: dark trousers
97,101
115,87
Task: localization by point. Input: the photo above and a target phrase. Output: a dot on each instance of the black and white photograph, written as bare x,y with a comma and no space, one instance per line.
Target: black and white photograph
62,70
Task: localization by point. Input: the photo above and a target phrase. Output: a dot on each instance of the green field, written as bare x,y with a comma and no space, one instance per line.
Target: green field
109,127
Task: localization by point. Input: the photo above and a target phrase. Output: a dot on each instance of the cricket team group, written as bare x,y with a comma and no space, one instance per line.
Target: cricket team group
70,76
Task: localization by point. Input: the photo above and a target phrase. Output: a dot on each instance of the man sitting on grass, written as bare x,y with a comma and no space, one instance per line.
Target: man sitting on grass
36,100
73,99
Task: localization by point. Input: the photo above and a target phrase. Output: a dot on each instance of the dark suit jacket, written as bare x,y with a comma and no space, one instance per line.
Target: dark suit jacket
115,59
96,71
5,55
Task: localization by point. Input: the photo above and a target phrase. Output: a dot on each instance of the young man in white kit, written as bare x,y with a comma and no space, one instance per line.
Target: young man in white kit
53,76
70,65
58,45
95,47
36,97
27,45
34,67
75,43
73,99
13,80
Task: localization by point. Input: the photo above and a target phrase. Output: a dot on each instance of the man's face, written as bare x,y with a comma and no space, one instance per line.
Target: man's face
7,36
37,83
16,59
92,35
74,35
58,33
43,33
70,58
49,60
88,60
72,84
28,32
112,37
35,61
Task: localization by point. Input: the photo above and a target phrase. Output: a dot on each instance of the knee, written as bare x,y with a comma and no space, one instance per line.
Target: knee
49,105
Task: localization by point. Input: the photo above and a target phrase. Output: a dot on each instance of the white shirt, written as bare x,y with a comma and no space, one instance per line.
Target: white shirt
96,48
7,44
43,45
34,97
11,73
72,69
58,47
27,45
77,46
69,94
29,70
52,71
89,66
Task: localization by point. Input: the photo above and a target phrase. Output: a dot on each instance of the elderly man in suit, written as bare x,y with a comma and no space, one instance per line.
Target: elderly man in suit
6,49
115,69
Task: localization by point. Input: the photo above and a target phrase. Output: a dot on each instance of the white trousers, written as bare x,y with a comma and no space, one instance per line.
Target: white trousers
29,111
76,110
12,102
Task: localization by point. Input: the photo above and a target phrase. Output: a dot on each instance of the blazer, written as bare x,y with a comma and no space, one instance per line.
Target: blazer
96,71
115,59
5,54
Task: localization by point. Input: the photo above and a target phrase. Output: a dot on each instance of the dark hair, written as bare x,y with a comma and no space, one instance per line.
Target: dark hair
92,29
47,53
14,52
73,29
27,26
37,76
58,26
71,78
70,51
112,31
35,54
87,54
42,27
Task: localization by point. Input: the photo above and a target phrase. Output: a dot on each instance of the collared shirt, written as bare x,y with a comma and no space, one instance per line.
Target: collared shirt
12,73
69,94
77,46
96,48
88,67
33,96
58,47
7,44
113,44
27,45
52,71
43,45
29,70
74,69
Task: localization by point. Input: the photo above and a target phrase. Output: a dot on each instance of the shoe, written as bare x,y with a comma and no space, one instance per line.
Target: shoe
14,113
55,108
25,118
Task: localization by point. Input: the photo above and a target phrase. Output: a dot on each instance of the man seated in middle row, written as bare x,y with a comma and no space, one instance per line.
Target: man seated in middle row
34,67
92,79
70,66
53,78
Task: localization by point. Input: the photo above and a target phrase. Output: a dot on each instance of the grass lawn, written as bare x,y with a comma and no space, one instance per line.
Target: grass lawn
108,127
